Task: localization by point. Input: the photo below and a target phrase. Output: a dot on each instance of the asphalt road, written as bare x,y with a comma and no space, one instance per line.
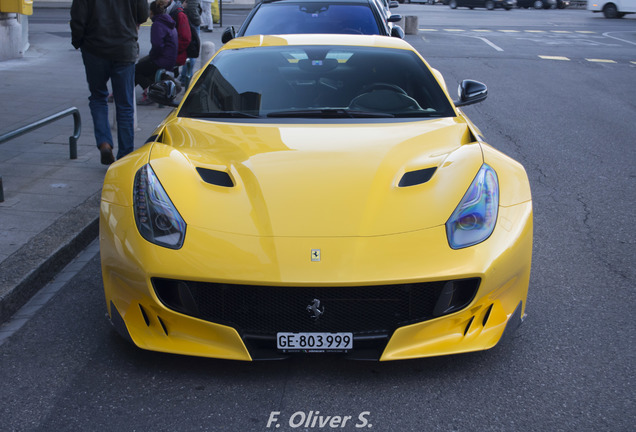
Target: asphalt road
570,367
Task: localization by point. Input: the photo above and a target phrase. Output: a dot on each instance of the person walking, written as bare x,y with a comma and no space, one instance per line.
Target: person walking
192,9
163,51
207,23
106,32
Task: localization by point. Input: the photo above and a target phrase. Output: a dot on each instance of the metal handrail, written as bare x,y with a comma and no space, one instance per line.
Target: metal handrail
72,140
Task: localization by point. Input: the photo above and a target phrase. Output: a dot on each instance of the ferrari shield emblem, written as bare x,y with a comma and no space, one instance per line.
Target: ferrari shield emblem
315,254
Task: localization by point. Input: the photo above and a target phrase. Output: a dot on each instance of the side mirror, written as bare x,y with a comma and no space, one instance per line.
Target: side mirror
393,4
228,34
397,31
163,93
394,18
471,92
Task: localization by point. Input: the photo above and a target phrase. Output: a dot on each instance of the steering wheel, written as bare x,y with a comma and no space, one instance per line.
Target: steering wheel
384,86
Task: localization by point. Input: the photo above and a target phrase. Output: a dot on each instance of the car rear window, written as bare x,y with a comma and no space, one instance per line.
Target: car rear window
276,18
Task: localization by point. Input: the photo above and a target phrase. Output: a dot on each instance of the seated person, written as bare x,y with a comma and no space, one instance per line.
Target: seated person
163,54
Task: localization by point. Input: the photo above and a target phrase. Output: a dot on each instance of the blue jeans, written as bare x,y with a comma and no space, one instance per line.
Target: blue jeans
122,77
187,70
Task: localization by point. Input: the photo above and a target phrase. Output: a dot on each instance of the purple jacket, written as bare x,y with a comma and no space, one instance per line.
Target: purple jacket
163,37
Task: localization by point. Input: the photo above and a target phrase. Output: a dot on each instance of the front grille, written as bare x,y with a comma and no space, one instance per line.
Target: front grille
363,310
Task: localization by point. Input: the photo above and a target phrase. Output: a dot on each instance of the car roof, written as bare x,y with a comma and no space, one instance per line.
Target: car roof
318,39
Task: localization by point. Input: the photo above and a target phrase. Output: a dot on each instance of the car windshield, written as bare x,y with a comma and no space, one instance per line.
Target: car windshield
316,82
276,18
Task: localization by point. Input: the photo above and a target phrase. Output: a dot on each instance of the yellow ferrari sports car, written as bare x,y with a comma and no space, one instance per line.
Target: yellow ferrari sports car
316,194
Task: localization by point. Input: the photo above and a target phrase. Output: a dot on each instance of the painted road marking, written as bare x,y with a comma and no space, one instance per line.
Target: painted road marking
591,60
554,58
600,60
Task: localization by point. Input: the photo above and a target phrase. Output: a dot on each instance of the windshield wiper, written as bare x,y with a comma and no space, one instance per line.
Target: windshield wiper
222,114
329,113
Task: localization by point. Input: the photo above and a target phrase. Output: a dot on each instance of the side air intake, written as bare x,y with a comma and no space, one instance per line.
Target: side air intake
218,178
417,177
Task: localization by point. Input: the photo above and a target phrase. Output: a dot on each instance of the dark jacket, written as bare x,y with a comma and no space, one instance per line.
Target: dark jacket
193,10
183,31
108,28
163,37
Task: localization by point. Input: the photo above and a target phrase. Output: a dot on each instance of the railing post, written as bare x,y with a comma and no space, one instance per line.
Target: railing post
77,130
72,141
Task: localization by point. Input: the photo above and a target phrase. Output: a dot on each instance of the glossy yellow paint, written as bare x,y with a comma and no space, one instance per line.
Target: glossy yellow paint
300,187
224,256
332,185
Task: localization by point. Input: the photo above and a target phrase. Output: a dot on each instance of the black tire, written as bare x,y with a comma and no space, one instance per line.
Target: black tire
610,11
538,4
490,5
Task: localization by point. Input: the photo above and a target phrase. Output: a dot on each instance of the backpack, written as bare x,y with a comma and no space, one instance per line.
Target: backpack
193,49
195,43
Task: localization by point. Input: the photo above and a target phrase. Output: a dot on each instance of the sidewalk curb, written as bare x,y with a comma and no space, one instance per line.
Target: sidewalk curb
33,265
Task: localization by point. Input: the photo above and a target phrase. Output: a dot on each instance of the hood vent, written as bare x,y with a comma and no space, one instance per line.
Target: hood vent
218,178
413,178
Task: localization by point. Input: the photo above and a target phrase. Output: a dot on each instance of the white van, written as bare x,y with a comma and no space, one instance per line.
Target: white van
612,8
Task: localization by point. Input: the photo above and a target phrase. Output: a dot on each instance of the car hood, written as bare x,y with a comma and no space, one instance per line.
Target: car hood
315,180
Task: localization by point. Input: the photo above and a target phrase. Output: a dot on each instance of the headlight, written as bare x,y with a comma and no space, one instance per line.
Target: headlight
158,221
474,218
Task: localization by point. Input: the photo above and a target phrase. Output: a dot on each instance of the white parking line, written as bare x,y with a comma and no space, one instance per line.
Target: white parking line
495,47
614,37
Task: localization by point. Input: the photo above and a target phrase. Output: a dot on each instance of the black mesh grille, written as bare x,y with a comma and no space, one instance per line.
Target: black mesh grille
265,310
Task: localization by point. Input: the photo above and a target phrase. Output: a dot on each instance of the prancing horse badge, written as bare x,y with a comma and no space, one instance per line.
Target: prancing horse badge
315,254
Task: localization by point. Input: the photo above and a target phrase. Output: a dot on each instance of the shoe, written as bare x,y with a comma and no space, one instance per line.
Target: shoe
145,100
106,152
207,29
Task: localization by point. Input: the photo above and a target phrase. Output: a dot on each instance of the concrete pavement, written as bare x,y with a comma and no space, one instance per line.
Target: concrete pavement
51,202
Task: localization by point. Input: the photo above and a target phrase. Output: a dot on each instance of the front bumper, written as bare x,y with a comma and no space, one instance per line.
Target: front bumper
502,263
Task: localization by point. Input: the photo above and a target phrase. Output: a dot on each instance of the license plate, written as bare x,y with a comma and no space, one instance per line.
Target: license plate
314,342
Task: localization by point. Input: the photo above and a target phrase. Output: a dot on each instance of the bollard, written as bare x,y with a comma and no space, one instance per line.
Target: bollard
410,26
207,51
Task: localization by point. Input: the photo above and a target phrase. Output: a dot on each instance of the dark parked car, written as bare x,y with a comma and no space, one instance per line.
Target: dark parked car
488,4
543,4
369,17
